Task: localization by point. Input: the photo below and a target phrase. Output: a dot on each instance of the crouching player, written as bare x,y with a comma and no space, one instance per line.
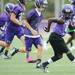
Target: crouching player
56,40
34,17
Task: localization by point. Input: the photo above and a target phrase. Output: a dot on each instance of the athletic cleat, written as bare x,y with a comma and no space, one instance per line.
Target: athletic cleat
44,67
38,61
29,59
34,61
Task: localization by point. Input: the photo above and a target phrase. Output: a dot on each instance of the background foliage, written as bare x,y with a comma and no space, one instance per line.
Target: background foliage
30,4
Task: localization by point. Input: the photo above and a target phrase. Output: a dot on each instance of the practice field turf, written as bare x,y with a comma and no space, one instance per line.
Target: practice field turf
18,66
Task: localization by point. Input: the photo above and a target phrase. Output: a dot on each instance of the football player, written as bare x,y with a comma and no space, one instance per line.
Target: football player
34,17
4,18
56,38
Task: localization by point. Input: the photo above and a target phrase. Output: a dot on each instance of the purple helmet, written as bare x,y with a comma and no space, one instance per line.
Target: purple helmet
67,10
41,3
9,7
72,2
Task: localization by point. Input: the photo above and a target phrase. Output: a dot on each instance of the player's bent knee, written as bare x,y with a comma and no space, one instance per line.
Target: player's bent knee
55,58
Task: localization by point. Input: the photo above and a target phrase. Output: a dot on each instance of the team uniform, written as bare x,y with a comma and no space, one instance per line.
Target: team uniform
33,19
12,28
4,19
56,38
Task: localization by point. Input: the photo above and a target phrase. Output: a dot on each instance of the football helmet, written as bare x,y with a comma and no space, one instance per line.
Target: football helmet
9,7
41,3
67,11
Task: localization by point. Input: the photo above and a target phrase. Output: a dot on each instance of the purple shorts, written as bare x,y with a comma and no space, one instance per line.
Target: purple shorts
10,33
32,41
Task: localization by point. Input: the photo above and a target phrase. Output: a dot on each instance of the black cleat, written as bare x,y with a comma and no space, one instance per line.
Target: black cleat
32,61
38,63
44,67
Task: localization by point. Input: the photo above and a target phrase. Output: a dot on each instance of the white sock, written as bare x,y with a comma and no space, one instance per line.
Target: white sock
50,61
73,61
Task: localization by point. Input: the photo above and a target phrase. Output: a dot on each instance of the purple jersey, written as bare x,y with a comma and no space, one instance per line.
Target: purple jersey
33,19
18,10
12,28
61,29
4,18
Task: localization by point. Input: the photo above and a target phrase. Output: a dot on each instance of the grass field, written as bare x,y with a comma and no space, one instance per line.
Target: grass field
18,66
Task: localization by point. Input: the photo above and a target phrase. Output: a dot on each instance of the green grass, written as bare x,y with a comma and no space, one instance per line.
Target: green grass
18,66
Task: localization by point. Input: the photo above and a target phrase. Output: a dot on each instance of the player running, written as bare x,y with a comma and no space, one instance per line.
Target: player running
34,17
56,40
4,18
